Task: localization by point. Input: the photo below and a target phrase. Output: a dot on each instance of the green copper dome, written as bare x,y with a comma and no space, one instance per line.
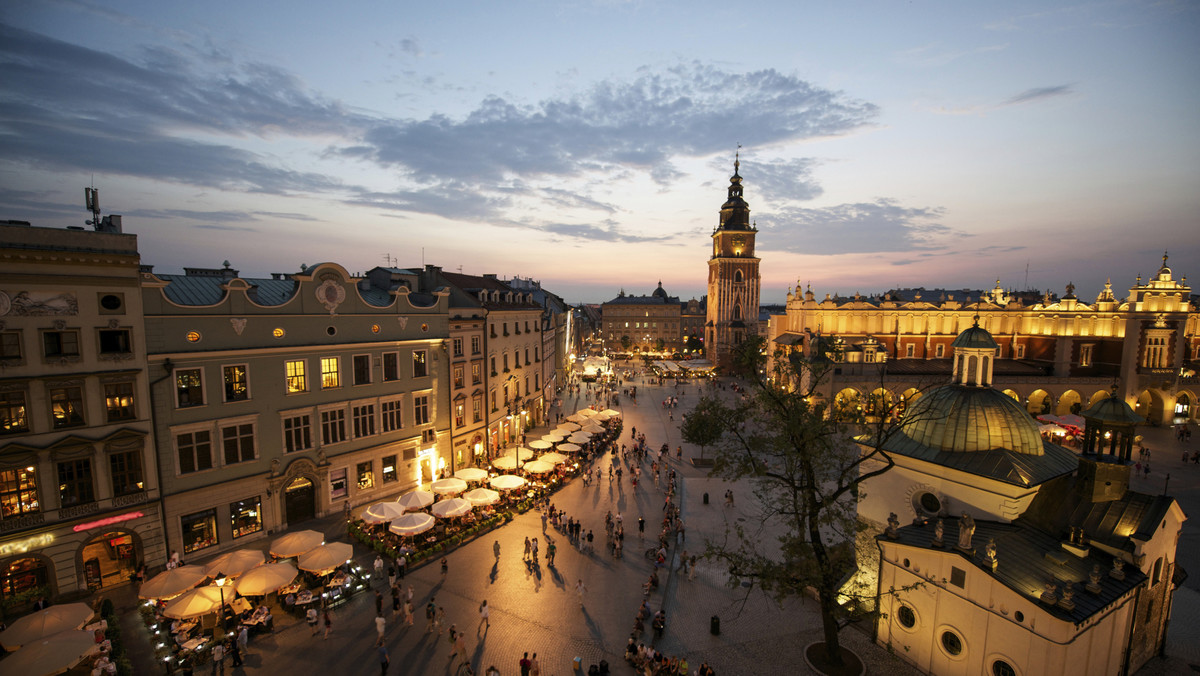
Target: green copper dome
975,337
963,418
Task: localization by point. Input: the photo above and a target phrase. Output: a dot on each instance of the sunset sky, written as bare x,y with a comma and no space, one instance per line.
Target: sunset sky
588,144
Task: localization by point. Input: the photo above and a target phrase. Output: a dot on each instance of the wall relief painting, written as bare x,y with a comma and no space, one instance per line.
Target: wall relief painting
37,304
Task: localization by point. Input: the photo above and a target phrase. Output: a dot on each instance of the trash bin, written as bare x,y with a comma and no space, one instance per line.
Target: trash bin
706,498
714,625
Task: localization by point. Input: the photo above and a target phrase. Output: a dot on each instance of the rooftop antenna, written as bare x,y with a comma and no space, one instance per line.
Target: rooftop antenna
91,200
390,260
1026,275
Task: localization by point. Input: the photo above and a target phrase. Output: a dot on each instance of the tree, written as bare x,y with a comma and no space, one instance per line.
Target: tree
694,344
626,341
704,425
807,464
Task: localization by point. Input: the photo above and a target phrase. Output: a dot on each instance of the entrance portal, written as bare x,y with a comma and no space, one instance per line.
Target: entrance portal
300,500
109,559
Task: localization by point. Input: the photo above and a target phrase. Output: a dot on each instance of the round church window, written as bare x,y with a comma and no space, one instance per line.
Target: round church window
1002,668
952,643
929,503
908,619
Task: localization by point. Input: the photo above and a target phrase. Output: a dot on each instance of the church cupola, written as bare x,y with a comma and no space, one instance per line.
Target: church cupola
735,213
974,350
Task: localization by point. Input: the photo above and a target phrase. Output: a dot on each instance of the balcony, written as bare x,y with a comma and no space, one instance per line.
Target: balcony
22,522
131,499
76,511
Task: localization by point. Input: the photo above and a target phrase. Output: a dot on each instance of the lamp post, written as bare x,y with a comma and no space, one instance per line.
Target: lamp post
220,579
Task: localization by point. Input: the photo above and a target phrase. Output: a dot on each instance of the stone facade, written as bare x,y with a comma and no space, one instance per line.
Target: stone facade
733,279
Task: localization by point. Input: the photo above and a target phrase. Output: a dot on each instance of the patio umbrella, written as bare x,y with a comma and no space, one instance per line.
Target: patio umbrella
1072,420
198,601
506,462
383,512
538,467
610,413
569,448
601,417
481,496
235,563
326,557
412,524
295,544
521,454
507,482
576,418
52,654
471,474
586,412
1048,417
554,458
449,508
579,438
416,500
449,486
553,438
266,579
567,427
592,428
171,583
540,445
42,623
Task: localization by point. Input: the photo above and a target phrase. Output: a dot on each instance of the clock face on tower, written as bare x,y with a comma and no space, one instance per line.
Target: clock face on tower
739,243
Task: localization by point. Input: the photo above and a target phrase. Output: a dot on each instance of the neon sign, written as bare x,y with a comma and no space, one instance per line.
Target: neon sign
22,546
129,516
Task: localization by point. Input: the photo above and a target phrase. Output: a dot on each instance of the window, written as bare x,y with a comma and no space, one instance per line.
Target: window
1002,668
459,382
460,413
475,345
10,345
364,420
537,381
75,482
296,382
393,416
18,492
238,442
115,341
23,575
199,530
237,384
940,351
388,464
125,468
476,408
366,476
476,376
1020,352
330,377
910,350
929,503
493,398
958,577
391,366
13,419
536,356
337,484
1158,566
60,344
906,616
1085,355
297,433
506,362
952,643
420,409
493,365
458,347
362,369
333,426
245,517
189,387
118,401
428,436
195,451
527,362
66,407
1156,352
419,366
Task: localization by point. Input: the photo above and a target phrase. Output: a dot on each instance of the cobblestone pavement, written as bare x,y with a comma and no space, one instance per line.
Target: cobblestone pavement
535,608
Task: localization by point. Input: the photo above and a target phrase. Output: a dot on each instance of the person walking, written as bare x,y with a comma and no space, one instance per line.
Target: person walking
311,616
218,658
445,567
484,611
496,549
535,667
525,555
430,615
551,549
395,600
401,565
328,624
235,652
408,614
380,626
379,567
439,620
460,646
378,602
384,658
580,588
524,663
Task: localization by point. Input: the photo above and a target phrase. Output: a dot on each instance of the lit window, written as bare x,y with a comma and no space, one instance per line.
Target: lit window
366,476
419,367
189,387
118,401
388,465
13,418
278,332
296,381
245,517
237,386
18,492
330,377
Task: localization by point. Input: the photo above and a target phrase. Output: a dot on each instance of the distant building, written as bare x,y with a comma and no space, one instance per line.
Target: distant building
79,492
643,323
733,279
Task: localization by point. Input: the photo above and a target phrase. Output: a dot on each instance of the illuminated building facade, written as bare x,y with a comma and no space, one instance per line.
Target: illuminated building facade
733,279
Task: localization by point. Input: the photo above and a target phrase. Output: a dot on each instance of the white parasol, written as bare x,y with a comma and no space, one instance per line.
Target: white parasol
451,508
232,564
567,427
576,418
53,654
579,438
415,500
538,467
266,579
540,445
326,557
586,412
42,623
449,486
569,448
555,458
295,544
481,496
471,474
171,583
197,602
505,463
507,482
383,512
414,523
553,438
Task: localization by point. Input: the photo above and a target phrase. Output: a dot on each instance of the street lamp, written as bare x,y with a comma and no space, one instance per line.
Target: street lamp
220,579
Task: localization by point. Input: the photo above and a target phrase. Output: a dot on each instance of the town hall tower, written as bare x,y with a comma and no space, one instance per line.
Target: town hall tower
733,279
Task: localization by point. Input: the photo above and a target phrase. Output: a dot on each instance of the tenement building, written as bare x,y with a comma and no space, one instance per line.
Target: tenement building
733,279
1053,355
280,399
79,494
642,323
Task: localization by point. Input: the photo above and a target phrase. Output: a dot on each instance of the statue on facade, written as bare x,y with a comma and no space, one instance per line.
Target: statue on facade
1050,593
321,456
1118,569
1067,602
966,530
1093,584
275,467
990,553
893,524
939,531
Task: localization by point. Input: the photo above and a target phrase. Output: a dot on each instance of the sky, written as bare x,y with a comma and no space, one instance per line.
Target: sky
588,144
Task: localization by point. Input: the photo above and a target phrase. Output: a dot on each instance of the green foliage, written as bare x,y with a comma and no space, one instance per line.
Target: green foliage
705,424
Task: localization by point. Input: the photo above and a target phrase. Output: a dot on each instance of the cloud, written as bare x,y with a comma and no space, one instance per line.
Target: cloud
936,55
1039,94
779,181
864,227
607,232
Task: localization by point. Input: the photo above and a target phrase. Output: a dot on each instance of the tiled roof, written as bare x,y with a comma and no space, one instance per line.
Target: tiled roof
1019,469
1064,503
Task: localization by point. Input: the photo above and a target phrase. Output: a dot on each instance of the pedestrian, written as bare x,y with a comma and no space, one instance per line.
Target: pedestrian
243,640
439,620
551,549
460,646
384,658
395,600
445,567
218,658
391,576
408,614
535,668
580,588
641,527
534,550
496,549
378,566
545,517
525,554
409,594
380,626
378,603
483,614
328,624
235,652
311,615
430,615
401,565
524,665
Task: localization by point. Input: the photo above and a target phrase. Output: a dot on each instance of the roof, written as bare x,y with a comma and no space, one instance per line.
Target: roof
1066,502
975,337
1028,558
1113,410
202,290
933,367
965,418
1018,469
644,300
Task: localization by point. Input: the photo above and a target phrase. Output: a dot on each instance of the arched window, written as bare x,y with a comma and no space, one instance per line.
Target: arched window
737,311
1157,572
737,276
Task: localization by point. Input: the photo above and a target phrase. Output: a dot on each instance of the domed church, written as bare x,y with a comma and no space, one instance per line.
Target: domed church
1020,556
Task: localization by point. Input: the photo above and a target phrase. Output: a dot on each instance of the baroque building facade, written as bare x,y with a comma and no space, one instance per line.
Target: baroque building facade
733,279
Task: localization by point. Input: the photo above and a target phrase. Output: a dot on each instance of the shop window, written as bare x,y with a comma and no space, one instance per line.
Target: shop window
366,476
66,407
362,369
330,375
75,482
57,344
24,578
189,387
388,465
297,433
118,401
337,484
199,530
115,341
18,492
294,371
125,467
237,383
13,418
420,368
245,516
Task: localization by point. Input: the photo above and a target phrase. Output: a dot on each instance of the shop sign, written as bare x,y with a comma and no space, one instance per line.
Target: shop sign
22,546
100,523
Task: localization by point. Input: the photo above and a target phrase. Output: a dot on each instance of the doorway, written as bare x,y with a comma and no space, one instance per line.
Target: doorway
300,500
109,559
